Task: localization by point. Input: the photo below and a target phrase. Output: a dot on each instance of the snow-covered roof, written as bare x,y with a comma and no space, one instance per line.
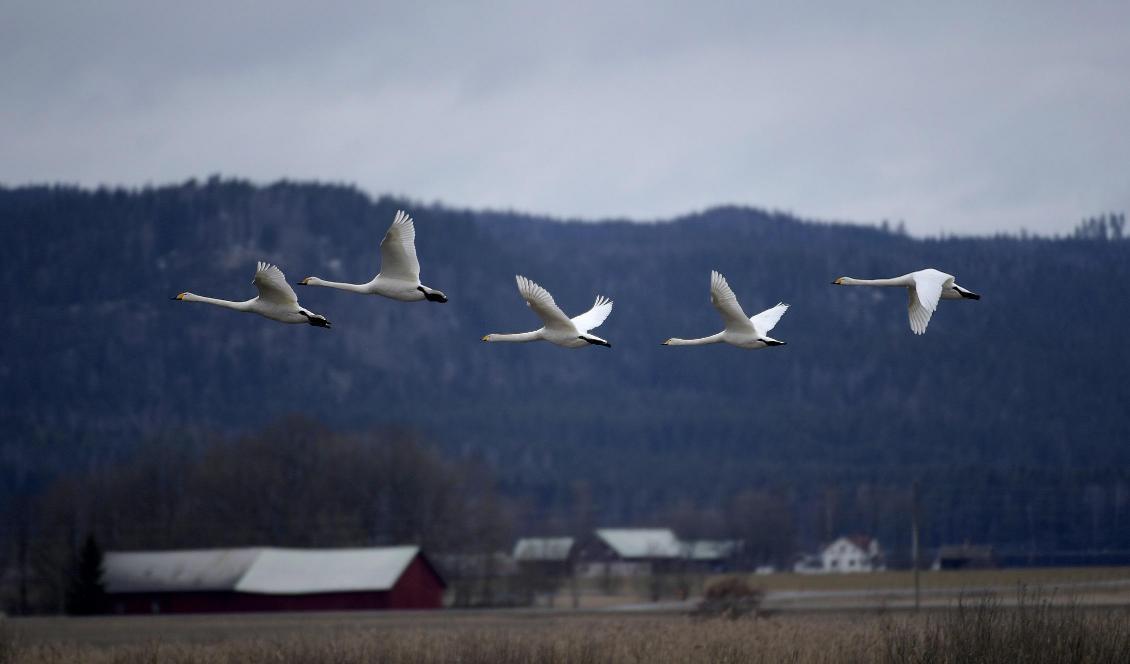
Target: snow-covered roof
711,549
261,570
641,542
543,548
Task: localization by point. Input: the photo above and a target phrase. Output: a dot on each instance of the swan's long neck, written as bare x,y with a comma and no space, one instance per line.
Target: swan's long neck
897,281
227,304
712,339
518,338
315,281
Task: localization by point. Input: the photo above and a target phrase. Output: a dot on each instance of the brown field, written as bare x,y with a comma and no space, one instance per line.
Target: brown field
1045,626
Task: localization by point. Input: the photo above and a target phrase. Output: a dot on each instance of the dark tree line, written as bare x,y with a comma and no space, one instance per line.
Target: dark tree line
295,483
1010,410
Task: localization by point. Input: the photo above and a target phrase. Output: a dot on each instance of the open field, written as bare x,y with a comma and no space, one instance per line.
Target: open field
1092,586
980,632
1048,625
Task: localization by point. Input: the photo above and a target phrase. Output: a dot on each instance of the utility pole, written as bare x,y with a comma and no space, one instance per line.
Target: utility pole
914,543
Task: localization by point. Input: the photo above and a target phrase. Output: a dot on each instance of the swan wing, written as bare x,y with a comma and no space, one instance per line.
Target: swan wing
398,250
271,283
924,296
591,319
767,320
727,305
539,299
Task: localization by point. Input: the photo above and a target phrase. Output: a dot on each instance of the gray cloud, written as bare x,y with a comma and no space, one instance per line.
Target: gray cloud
955,118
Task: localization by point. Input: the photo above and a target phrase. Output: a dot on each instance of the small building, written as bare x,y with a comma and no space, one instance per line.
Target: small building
965,556
712,555
844,556
629,552
545,555
271,579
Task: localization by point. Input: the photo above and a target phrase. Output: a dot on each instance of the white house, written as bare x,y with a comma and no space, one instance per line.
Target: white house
845,555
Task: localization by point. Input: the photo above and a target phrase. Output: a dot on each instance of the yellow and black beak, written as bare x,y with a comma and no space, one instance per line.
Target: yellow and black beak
180,296
485,338
838,282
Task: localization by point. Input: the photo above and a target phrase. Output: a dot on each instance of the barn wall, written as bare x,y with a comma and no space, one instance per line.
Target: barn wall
233,602
419,587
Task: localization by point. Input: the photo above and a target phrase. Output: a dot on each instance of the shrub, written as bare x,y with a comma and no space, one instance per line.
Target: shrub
729,597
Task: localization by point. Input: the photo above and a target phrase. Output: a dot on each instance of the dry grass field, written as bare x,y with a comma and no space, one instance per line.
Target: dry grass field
1039,626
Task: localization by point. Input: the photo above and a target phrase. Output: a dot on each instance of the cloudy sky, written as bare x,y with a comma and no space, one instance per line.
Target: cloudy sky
952,117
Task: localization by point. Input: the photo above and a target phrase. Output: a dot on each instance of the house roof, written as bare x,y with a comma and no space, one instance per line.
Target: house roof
641,542
862,542
543,548
261,570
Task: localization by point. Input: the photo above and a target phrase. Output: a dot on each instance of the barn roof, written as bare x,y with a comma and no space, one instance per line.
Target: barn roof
543,548
261,570
642,542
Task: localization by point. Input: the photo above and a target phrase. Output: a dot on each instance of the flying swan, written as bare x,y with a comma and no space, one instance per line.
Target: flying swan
399,277
924,288
740,331
276,300
559,328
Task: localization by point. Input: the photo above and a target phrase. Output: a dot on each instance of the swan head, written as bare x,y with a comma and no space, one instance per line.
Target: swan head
667,343
180,296
307,281
839,282
487,338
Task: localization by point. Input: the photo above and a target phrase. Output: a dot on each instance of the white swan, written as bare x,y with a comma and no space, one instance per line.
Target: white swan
276,300
399,277
740,331
559,328
924,287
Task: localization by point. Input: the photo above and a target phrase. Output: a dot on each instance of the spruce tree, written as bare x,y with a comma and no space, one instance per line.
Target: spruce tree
85,593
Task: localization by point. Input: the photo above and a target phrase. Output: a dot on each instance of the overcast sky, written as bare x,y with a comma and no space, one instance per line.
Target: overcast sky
952,117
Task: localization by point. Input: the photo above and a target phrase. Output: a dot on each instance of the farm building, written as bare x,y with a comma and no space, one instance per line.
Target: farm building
546,555
629,551
712,555
271,579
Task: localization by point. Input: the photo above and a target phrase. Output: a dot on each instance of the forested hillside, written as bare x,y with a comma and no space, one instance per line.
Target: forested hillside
1012,410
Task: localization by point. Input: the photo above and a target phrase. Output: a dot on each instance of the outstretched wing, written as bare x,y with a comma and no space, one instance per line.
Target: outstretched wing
591,319
398,250
272,286
539,299
727,305
923,298
767,320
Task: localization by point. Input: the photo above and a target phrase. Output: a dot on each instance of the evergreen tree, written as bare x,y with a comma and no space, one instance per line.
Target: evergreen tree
86,594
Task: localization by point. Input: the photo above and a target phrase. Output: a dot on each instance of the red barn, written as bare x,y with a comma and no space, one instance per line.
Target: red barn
270,579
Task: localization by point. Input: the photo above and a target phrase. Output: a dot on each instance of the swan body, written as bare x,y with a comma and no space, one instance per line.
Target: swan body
399,277
750,333
925,288
558,328
276,299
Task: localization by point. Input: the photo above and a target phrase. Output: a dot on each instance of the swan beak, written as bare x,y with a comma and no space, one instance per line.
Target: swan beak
178,297
838,282
667,343
486,338
303,282
971,296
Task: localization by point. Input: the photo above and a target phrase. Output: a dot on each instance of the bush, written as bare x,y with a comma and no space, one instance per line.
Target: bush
729,597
